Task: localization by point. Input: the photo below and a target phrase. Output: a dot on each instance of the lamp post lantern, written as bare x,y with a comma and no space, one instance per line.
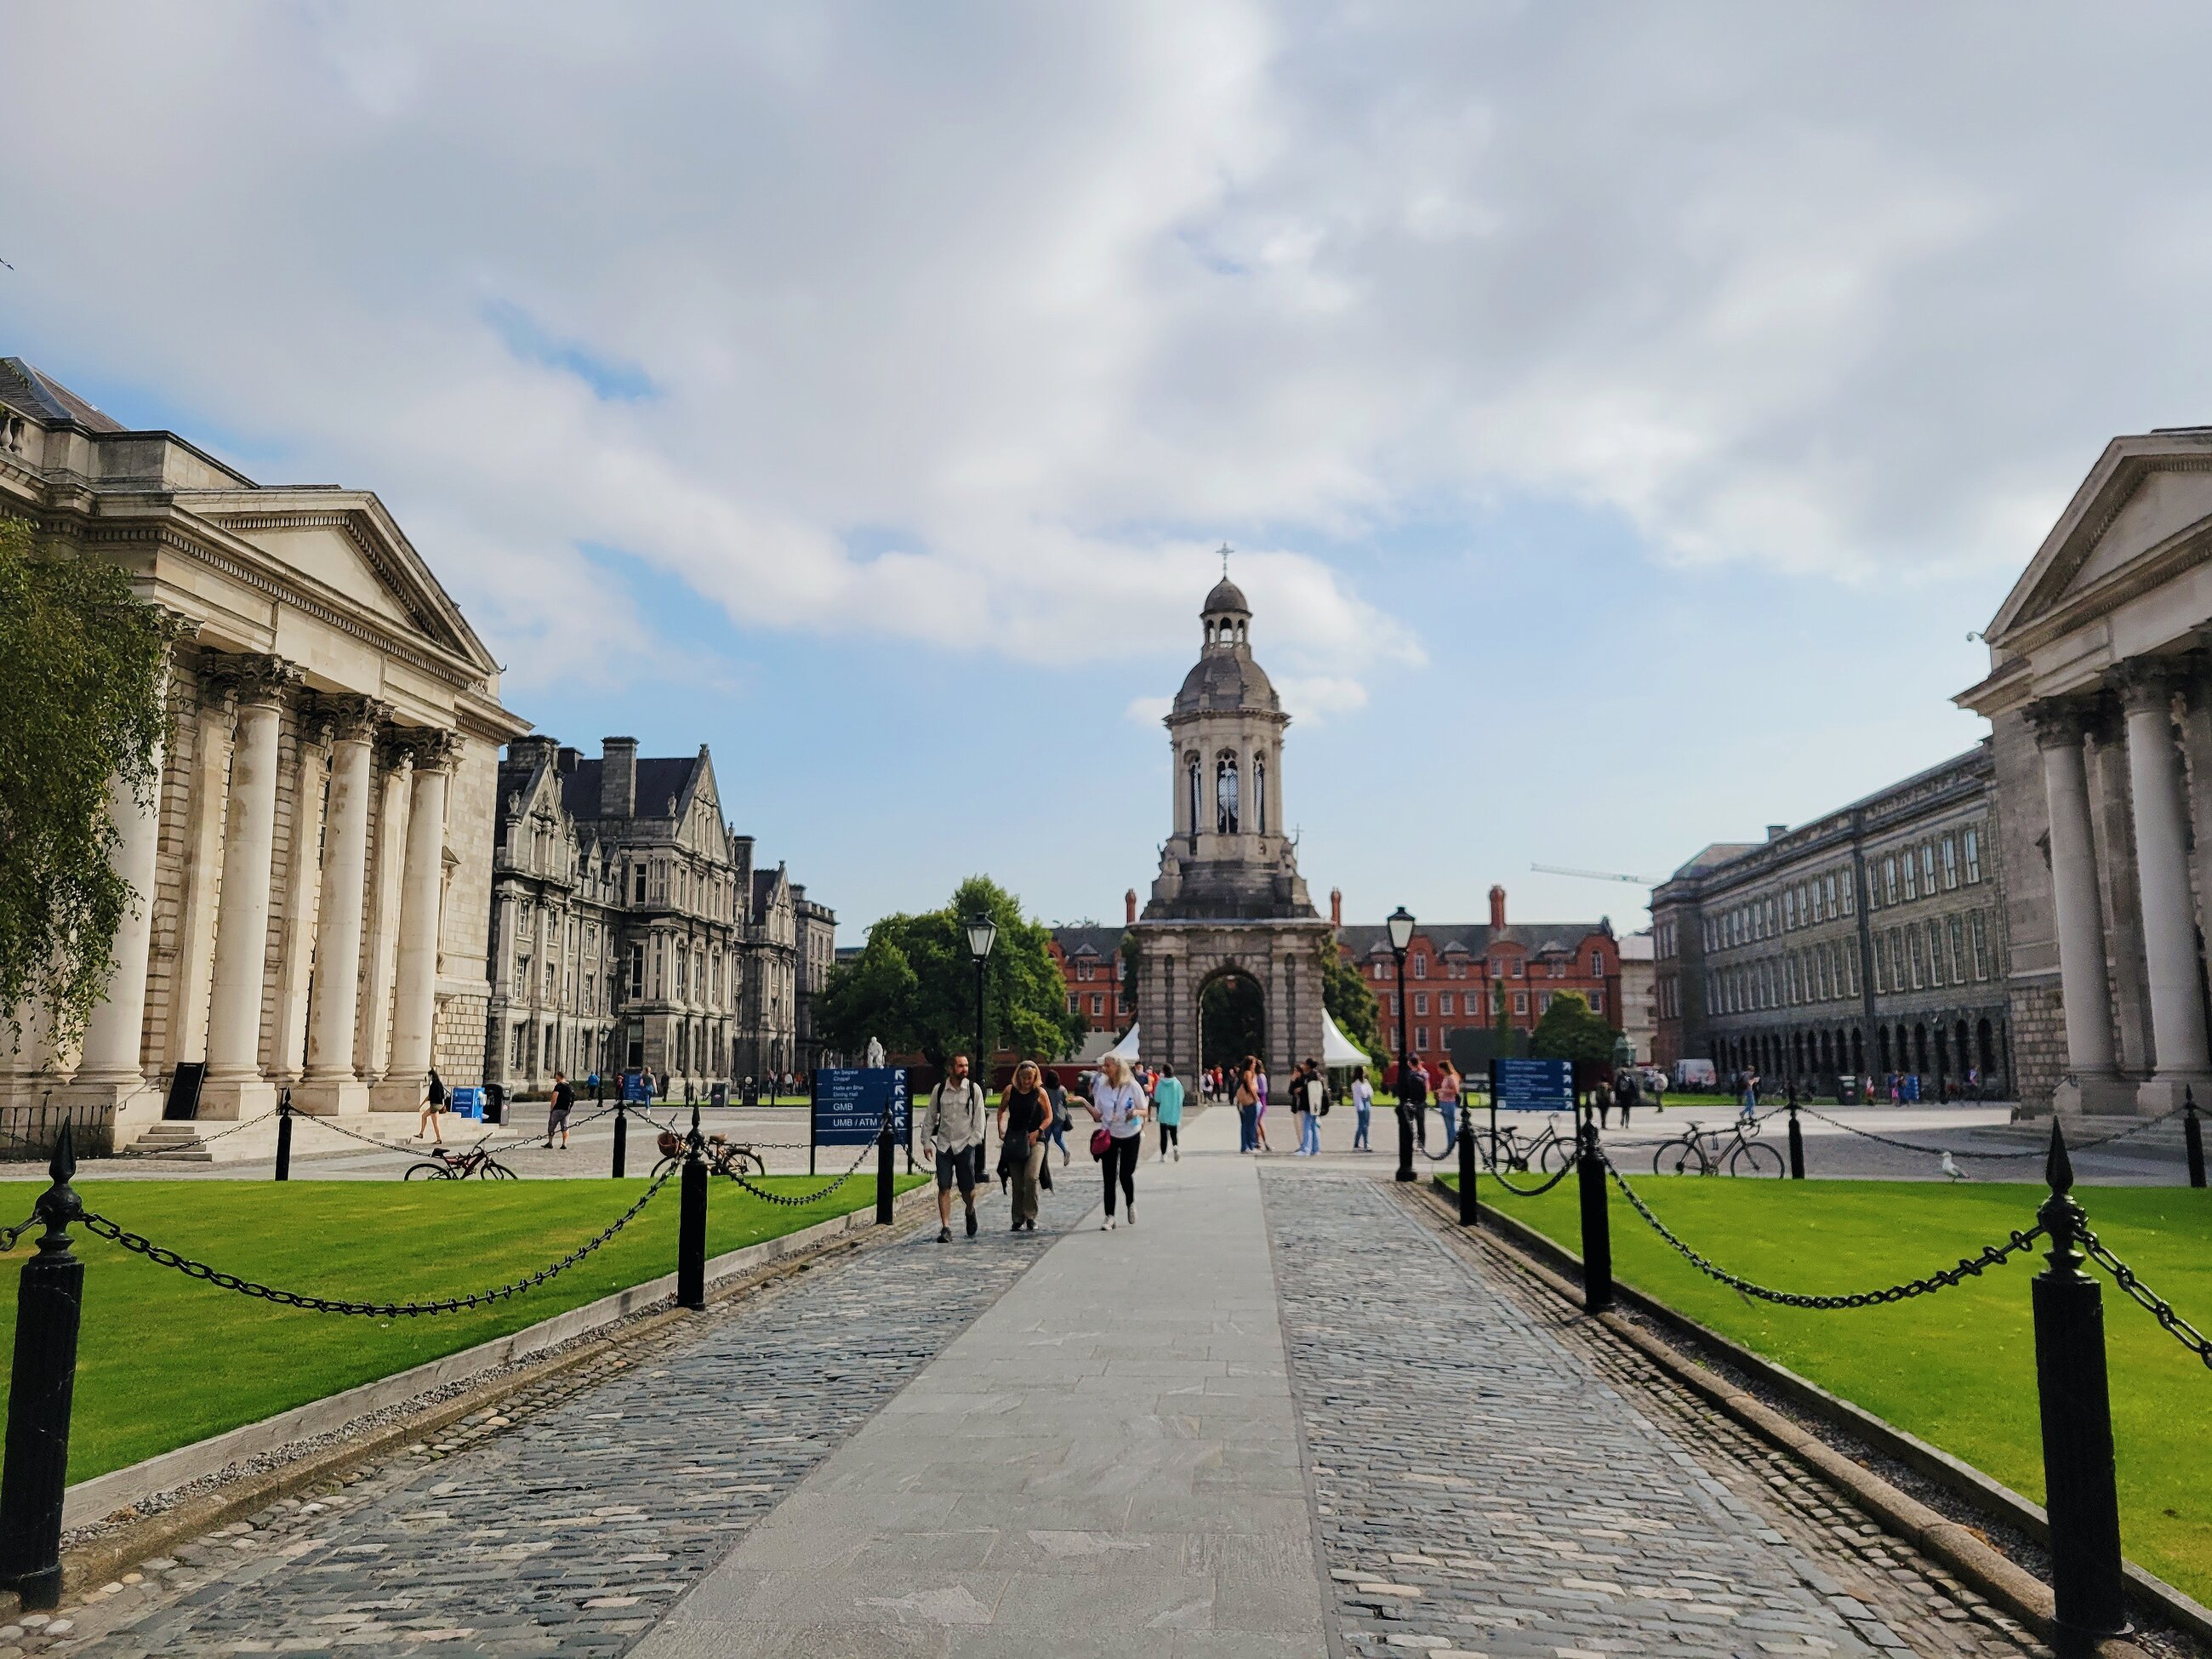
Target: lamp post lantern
1400,923
982,934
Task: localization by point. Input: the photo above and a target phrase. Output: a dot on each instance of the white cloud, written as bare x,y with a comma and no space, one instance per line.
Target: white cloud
1031,306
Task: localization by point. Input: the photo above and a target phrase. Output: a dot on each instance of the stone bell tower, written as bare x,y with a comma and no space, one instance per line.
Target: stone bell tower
1228,900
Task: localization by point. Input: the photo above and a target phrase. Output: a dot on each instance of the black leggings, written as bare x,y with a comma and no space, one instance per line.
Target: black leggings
1171,1134
1120,1164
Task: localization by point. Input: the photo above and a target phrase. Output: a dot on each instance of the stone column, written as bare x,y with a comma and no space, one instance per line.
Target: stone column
2169,910
415,996
295,958
373,1042
211,744
2092,1083
330,1085
235,1087
111,1074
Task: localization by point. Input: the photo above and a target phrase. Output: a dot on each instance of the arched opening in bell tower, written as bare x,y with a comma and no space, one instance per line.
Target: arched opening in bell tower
1232,1019
1225,801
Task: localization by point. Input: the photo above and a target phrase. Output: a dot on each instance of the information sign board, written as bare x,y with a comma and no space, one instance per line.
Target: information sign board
849,1102
637,1089
1533,1085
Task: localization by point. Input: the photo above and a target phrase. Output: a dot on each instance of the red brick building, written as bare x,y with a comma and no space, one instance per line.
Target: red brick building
1454,969
1090,959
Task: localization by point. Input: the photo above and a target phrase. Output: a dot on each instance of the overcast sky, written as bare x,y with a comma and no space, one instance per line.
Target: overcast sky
1622,415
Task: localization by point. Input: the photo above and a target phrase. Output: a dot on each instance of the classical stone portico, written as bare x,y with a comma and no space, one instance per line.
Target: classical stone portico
1229,897
313,869
2100,694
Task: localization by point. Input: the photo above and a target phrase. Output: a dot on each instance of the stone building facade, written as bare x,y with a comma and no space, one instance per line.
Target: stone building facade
815,929
621,909
1229,900
2100,699
1870,941
314,868
769,1045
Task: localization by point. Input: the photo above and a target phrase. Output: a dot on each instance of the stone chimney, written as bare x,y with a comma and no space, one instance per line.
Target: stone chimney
1497,907
1776,831
532,750
618,778
1336,907
1129,908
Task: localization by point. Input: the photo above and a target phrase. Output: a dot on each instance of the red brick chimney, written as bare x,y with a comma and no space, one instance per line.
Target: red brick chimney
1129,907
1336,907
1498,907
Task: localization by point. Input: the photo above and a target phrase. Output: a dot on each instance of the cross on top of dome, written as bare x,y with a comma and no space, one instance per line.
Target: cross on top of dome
1226,598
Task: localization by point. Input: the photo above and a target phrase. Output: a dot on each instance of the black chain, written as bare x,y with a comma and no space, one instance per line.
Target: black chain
1970,1268
793,1202
2142,1294
9,1234
1961,1152
141,1245
1490,1164
204,1139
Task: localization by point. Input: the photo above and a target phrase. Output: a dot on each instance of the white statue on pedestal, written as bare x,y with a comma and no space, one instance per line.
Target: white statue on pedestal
875,1052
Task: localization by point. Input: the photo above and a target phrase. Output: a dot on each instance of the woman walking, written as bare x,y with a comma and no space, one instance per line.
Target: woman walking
1025,1113
1167,1111
1247,1108
1260,1101
1055,1092
1448,1093
1363,1104
434,1104
1315,1092
1119,1107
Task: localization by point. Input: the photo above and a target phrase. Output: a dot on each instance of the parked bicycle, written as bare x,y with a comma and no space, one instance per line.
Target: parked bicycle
1740,1152
1550,1152
442,1165
724,1156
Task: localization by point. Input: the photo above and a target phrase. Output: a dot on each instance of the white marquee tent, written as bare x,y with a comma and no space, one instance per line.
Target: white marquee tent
1336,1049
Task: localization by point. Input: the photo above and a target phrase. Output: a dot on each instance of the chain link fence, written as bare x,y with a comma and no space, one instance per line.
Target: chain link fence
1961,1152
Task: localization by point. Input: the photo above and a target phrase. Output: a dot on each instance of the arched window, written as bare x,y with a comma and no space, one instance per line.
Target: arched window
1190,773
1224,795
1259,793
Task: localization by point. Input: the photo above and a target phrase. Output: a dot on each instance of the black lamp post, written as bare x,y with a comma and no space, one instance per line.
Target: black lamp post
1400,922
982,934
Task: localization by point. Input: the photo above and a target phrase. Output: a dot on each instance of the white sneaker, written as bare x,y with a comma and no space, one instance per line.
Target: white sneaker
1107,1225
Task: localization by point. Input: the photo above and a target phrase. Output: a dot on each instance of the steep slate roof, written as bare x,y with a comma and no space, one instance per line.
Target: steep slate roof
658,781
1474,936
1226,680
34,392
1103,942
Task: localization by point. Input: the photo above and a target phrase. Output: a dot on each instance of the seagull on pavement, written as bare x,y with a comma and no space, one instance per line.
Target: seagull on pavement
1953,1169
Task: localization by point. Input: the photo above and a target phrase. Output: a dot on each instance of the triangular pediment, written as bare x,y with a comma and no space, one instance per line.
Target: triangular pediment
342,544
2147,499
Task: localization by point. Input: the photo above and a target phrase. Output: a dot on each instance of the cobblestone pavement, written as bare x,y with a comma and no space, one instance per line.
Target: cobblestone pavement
571,1520
1528,1487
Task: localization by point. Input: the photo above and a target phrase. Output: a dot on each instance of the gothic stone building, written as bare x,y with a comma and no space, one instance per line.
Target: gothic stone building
1229,900
1871,940
626,917
2099,698
313,868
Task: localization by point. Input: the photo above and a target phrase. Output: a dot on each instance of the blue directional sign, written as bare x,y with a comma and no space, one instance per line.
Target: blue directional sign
1533,1085
637,1089
849,1102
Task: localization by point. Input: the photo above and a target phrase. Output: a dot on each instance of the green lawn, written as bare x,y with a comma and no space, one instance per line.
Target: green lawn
165,1360
1956,1368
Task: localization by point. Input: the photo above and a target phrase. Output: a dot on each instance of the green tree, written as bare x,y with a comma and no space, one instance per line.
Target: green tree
1570,1031
81,664
914,985
1350,1003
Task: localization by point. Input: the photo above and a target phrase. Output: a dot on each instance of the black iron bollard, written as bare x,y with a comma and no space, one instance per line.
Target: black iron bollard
284,1136
1404,1141
1597,1239
1797,1140
886,1143
49,1299
1467,1200
2080,1490
691,1223
2192,1137
622,1140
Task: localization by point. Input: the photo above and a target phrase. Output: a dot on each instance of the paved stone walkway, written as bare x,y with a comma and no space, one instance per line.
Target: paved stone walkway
570,1530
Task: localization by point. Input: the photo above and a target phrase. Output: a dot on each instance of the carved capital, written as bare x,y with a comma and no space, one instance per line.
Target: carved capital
2100,719
354,718
255,678
2057,722
435,749
2145,685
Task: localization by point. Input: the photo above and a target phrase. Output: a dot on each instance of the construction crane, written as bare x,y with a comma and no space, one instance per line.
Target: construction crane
1596,875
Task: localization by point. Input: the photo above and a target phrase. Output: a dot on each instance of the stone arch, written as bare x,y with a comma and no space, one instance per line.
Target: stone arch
1231,1008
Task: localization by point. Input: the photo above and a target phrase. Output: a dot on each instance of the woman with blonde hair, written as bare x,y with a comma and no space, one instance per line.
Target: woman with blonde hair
1025,1113
1118,1105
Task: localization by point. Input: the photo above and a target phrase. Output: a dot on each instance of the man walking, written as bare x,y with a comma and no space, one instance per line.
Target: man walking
556,1117
952,1129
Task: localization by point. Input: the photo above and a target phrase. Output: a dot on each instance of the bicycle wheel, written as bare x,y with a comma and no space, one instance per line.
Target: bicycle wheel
1754,1158
747,1163
495,1170
1672,1156
428,1172
664,1166
1555,1157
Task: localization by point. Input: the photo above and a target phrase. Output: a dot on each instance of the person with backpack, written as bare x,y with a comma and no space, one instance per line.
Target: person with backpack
1167,1109
952,1129
433,1106
1118,1105
557,1114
